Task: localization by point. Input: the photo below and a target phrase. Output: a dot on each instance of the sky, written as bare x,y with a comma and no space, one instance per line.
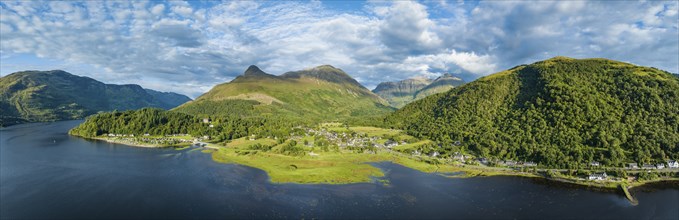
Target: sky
189,47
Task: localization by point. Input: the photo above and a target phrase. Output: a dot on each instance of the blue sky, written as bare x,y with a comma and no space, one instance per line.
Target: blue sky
188,47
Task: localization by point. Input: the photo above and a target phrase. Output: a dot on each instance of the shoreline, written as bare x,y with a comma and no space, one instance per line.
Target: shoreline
142,145
463,171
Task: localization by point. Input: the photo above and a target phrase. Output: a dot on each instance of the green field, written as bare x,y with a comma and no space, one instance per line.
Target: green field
333,166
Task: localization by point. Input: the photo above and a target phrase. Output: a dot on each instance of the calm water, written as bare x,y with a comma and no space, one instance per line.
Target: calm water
44,173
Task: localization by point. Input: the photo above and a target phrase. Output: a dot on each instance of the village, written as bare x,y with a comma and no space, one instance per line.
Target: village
147,140
371,140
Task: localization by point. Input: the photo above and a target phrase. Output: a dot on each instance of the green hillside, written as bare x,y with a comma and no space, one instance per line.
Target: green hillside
560,112
400,93
322,93
33,96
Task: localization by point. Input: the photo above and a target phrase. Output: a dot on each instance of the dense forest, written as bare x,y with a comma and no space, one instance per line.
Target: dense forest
560,112
160,122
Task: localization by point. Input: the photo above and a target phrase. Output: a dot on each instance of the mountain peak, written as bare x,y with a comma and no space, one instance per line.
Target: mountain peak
561,58
324,72
325,67
253,70
448,76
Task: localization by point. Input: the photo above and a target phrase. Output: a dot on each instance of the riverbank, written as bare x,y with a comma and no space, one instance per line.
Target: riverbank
300,160
138,144
347,167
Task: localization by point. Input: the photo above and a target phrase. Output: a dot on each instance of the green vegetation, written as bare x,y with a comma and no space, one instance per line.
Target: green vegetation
561,113
400,93
334,168
319,94
33,96
157,122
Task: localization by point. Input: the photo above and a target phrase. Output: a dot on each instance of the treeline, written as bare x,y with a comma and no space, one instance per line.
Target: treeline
159,122
562,113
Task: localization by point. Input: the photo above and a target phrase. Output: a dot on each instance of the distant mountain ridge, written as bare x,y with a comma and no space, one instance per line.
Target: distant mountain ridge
400,93
35,96
322,93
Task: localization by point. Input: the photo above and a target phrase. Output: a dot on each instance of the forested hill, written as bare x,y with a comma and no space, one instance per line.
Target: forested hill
33,96
560,112
157,122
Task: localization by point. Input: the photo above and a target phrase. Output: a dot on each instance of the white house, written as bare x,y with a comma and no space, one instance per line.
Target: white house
434,154
509,163
673,164
648,167
597,176
660,166
390,143
459,157
595,164
529,164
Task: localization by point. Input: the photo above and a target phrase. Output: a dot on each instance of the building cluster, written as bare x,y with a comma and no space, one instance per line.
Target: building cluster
345,140
672,164
511,163
597,176
145,139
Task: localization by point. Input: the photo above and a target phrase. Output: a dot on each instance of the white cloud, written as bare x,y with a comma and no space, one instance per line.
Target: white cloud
182,10
170,44
158,9
406,27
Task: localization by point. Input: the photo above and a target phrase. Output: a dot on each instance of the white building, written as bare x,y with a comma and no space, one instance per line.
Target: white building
660,166
390,143
459,157
595,164
673,164
597,176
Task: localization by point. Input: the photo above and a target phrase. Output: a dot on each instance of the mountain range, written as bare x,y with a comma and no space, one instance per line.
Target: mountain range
35,96
400,93
322,93
560,112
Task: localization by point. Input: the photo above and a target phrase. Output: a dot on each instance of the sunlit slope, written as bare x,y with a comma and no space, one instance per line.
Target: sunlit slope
321,93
